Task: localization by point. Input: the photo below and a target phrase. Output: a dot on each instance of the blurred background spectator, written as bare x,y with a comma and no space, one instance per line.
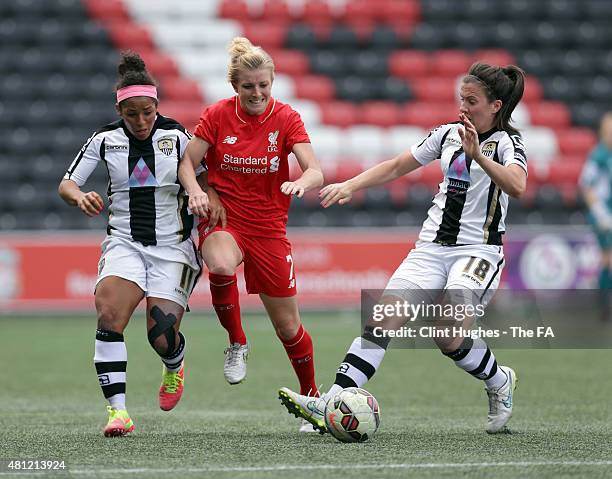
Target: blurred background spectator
368,77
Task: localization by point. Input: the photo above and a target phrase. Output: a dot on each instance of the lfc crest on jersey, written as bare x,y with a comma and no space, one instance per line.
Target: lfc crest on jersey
273,140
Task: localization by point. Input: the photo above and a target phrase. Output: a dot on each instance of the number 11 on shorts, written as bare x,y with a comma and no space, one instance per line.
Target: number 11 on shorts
291,278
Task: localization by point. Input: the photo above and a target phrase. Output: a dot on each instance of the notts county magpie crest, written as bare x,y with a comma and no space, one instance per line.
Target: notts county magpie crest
488,148
166,146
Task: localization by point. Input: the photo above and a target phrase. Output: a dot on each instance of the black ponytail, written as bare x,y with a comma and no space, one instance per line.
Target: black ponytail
506,84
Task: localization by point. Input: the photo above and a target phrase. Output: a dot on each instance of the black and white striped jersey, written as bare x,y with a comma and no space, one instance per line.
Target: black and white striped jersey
146,201
468,208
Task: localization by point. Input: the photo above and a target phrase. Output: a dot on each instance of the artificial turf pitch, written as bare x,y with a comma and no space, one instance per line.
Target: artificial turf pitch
433,414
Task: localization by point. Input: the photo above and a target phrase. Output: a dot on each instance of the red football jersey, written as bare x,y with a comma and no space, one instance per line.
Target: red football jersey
247,162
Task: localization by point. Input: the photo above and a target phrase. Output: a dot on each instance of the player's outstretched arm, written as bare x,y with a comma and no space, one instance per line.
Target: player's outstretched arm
312,176
194,153
382,173
90,203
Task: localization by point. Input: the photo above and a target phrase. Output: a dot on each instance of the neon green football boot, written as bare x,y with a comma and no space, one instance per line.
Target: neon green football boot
171,388
119,423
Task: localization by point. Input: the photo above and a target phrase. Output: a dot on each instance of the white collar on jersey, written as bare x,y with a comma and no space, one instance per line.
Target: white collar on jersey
260,121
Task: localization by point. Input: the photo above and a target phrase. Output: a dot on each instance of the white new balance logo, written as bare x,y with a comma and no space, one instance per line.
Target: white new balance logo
230,140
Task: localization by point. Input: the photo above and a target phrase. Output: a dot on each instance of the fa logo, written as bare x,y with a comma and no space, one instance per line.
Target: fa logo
272,138
230,140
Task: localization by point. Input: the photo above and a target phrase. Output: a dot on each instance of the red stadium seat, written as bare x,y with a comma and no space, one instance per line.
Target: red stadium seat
550,113
494,57
403,31
428,115
533,90
267,34
434,89
178,88
360,9
126,35
405,12
431,175
235,9
450,63
576,141
409,64
107,11
276,10
537,174
291,62
362,27
185,112
315,87
339,113
330,170
419,114
316,11
577,161
564,176
159,64
347,168
398,190
379,113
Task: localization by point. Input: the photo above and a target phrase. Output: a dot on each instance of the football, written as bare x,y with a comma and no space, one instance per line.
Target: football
352,415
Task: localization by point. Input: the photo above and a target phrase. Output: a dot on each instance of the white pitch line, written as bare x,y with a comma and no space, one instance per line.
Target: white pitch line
281,467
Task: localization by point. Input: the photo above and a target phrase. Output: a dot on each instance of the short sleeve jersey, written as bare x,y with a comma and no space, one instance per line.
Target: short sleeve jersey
469,207
247,162
597,173
146,201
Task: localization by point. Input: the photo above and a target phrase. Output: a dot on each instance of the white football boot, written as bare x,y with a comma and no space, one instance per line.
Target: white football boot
235,367
501,402
310,408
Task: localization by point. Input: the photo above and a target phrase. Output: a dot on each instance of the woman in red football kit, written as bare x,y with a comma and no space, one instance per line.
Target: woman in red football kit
246,140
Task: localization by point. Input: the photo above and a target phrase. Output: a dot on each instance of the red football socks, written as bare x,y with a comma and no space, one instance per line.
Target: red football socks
224,291
299,350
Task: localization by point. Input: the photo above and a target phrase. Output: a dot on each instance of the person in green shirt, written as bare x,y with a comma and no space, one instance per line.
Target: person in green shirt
596,187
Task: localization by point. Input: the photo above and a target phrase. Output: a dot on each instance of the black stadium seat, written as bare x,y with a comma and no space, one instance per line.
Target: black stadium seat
340,38
301,36
430,37
563,88
385,38
442,10
370,63
330,63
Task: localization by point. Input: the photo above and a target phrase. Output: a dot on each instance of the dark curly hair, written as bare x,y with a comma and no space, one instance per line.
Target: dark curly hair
133,71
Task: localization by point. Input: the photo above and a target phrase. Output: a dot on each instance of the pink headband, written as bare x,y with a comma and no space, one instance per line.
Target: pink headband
136,90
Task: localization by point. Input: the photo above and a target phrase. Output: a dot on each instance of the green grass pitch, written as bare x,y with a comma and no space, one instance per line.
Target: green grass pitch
433,414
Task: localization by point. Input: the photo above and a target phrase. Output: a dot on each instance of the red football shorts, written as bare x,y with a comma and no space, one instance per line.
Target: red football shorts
268,262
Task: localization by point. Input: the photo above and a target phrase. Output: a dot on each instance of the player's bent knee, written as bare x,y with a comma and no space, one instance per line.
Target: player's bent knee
162,336
109,319
223,268
287,329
